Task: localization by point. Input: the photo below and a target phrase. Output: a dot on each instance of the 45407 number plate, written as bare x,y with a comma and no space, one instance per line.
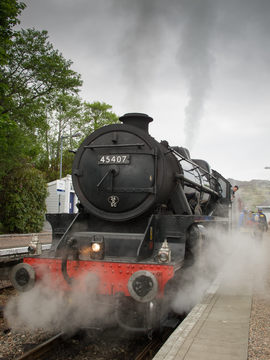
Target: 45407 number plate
113,159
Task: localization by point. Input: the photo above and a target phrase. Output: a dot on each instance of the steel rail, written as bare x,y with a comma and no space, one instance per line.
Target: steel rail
40,351
153,346
149,350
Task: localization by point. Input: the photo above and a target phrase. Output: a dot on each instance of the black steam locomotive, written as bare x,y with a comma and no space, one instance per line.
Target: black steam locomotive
143,205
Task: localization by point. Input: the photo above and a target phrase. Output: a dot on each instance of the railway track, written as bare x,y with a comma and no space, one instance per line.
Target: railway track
150,349
45,350
143,350
42,350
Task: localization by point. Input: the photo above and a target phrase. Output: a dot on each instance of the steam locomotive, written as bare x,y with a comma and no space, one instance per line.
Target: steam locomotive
143,207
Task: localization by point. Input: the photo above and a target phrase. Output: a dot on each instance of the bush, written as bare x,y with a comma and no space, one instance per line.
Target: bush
23,195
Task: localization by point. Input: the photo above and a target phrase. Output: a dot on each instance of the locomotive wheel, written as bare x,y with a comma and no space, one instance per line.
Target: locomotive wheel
22,277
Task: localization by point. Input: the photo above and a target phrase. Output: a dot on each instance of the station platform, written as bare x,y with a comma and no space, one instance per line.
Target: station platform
19,240
218,328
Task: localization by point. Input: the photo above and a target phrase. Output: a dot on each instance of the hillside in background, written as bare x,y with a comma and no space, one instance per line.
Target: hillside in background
253,193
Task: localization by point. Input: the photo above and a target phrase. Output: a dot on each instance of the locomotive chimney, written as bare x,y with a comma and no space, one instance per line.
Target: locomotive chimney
138,120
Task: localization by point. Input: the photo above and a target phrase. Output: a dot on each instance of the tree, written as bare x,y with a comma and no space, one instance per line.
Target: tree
93,116
61,121
39,110
22,206
9,12
96,115
34,74
70,116
16,145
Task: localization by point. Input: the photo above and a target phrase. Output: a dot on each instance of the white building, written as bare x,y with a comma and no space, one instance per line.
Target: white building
61,198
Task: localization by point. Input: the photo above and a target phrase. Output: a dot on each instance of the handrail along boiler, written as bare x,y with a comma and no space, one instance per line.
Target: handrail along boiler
142,206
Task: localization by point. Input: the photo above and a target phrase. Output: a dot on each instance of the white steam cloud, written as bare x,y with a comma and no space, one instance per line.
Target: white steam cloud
52,309
239,261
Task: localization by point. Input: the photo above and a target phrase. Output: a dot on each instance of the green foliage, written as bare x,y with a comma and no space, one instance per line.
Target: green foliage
9,11
95,115
65,111
34,74
15,146
32,77
22,207
69,116
92,117
39,110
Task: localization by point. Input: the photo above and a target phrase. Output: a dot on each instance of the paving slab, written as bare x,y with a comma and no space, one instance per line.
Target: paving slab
216,329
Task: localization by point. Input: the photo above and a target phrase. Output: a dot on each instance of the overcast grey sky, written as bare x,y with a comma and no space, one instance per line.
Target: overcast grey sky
200,68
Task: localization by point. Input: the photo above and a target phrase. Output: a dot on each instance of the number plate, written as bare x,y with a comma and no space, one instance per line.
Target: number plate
113,159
